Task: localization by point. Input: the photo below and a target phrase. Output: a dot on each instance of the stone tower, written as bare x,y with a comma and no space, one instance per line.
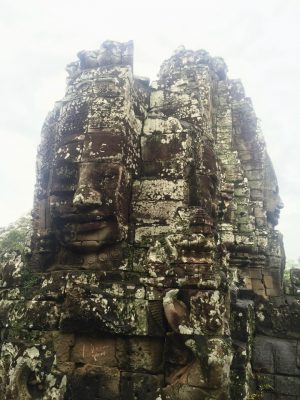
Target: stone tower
155,269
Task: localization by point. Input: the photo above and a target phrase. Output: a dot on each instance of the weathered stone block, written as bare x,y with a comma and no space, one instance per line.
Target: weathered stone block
164,147
140,386
91,382
63,342
103,146
242,321
287,385
186,392
275,356
140,354
175,169
150,212
94,351
295,276
281,320
160,189
207,314
107,315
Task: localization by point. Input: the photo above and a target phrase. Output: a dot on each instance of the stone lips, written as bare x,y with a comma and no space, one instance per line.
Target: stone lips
155,268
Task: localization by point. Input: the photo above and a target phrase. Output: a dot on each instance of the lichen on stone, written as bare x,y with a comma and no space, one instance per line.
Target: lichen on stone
154,269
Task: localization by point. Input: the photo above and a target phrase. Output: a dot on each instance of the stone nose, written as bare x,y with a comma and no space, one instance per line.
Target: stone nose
86,196
280,204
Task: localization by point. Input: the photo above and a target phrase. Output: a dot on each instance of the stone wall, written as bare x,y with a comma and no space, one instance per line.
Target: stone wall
276,345
155,271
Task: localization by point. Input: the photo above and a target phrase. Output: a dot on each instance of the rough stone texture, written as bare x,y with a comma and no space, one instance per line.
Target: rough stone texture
155,270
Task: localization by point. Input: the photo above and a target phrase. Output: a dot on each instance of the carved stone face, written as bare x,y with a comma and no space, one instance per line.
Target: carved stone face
148,318
89,193
272,201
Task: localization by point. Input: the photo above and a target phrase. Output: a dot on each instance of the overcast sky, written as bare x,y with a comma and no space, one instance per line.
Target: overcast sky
259,40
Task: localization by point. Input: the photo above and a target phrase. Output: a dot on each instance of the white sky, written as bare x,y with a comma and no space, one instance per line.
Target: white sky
259,40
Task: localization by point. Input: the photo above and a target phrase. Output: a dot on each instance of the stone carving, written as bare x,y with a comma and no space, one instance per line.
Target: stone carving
154,261
84,203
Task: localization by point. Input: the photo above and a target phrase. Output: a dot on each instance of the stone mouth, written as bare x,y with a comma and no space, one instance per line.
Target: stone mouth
93,218
85,226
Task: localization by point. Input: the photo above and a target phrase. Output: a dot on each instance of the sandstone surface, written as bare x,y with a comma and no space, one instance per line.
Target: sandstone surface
155,270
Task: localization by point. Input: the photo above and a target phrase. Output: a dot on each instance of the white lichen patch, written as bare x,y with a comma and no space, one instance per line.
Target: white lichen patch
260,316
32,352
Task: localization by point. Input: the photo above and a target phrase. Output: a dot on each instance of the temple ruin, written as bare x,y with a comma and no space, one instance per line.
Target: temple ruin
155,271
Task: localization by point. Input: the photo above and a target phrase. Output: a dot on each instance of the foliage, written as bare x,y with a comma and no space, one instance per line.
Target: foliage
287,278
259,394
291,264
28,279
12,240
15,237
